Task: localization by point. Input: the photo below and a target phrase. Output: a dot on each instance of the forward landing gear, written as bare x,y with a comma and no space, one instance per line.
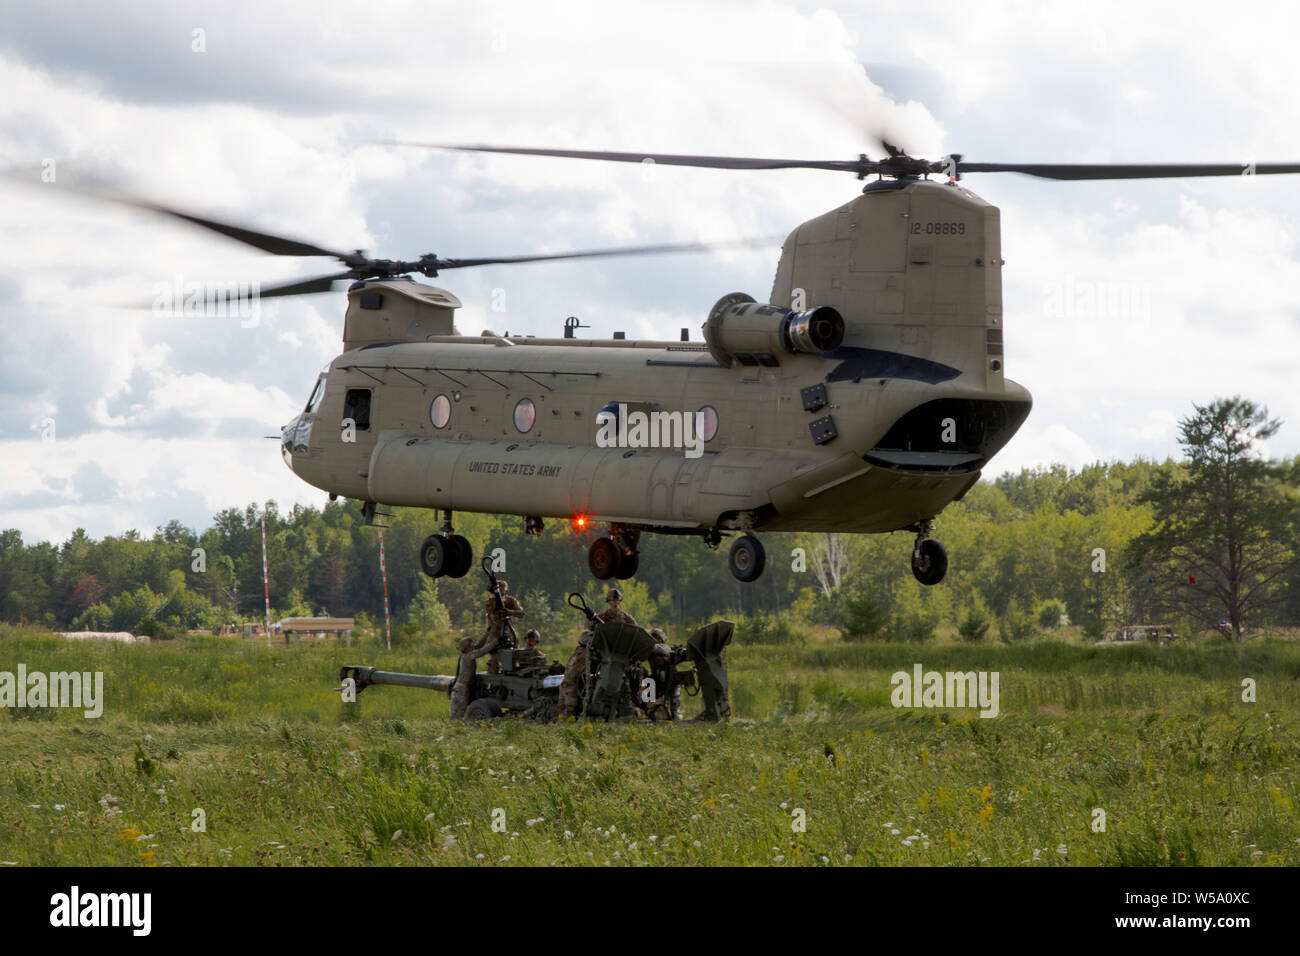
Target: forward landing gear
615,556
446,554
929,559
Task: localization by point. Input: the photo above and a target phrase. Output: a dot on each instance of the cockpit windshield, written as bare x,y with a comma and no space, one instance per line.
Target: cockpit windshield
315,395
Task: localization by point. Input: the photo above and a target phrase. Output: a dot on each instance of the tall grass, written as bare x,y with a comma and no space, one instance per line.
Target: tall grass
1158,739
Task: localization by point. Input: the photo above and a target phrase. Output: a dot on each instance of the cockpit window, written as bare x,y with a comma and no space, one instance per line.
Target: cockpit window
315,395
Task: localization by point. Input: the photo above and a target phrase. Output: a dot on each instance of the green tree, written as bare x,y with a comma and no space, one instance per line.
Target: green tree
426,612
975,623
1052,614
1223,543
859,614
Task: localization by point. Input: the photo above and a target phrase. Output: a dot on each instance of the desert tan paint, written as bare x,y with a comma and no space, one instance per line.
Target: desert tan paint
914,270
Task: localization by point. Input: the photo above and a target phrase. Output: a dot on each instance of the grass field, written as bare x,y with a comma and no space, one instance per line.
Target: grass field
1157,738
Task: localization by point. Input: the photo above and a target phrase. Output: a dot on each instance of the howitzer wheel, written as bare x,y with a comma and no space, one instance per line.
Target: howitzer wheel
485,708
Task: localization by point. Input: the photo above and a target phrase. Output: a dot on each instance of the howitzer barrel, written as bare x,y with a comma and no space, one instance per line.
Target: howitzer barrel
365,676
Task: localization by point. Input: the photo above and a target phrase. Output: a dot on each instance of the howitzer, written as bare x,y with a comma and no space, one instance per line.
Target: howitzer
525,685
363,677
621,657
581,606
669,682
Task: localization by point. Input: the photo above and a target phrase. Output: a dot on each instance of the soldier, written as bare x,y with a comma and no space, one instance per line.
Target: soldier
662,707
466,668
532,641
496,621
577,667
614,614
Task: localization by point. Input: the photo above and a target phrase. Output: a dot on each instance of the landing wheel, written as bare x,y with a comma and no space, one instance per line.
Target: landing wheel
747,558
627,565
485,708
438,556
464,556
603,558
929,561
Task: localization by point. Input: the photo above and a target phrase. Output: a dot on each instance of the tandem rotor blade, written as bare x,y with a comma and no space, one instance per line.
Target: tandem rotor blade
651,250
1076,171
666,159
265,241
304,286
359,266
899,163
237,295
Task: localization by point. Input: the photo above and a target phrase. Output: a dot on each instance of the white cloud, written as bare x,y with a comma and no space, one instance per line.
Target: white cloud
1124,302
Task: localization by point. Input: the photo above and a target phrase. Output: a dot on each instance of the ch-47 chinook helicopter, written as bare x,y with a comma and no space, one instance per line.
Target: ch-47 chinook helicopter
866,394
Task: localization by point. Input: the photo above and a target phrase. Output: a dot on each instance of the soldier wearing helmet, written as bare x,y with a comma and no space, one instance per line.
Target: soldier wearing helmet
577,666
614,614
496,621
666,705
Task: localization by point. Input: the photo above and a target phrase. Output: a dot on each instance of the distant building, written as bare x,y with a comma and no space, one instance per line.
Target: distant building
341,627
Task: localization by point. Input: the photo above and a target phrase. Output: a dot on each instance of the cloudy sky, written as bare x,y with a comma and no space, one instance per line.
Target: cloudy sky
1124,303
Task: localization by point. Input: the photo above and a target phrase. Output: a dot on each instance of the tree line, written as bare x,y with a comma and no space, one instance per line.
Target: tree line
1210,540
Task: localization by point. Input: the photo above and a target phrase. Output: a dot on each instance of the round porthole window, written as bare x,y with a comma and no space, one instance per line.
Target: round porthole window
440,411
708,422
525,414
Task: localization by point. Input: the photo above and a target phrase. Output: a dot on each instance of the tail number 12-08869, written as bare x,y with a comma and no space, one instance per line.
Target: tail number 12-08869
939,228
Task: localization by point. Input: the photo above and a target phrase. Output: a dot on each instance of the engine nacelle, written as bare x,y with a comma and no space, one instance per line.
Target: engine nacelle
742,330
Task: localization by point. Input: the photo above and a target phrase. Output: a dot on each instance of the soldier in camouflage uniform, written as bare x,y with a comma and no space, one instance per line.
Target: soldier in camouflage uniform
662,708
614,614
577,666
466,668
496,621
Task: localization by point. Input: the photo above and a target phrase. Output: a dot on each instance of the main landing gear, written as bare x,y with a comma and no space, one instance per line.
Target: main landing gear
615,556
929,559
446,554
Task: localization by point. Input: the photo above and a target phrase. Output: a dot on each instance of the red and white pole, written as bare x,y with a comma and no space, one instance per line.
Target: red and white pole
266,583
383,573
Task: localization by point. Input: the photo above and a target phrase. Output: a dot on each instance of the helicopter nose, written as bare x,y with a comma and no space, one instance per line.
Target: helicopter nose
286,441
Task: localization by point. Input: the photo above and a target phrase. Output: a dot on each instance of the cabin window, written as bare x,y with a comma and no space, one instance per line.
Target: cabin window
525,414
708,422
608,414
440,411
356,406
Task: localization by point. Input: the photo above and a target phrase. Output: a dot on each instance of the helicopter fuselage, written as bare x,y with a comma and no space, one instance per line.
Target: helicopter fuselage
761,468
